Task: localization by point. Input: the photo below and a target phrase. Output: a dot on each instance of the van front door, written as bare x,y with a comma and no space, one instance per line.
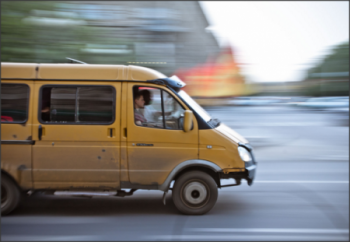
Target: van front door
76,130
156,142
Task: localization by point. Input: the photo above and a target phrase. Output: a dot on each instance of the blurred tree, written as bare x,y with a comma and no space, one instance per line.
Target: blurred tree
14,34
330,77
48,32
334,65
35,31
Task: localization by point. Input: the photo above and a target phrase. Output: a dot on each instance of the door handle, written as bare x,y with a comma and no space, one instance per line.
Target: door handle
111,132
40,132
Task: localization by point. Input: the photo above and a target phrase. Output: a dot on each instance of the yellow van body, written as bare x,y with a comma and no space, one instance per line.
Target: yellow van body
115,155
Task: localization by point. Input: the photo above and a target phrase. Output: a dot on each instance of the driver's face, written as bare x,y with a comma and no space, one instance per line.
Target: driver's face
140,102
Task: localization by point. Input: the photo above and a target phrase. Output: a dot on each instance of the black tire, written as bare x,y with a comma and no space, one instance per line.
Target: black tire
195,193
10,195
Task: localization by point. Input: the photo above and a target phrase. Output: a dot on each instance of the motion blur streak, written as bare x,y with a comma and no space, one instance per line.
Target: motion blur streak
299,130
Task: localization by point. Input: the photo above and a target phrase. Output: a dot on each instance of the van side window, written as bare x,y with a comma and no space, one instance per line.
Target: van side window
77,104
156,108
14,103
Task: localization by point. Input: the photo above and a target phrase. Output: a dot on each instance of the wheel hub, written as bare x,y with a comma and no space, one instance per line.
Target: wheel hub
195,192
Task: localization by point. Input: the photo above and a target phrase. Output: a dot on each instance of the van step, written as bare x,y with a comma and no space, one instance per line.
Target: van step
84,193
119,193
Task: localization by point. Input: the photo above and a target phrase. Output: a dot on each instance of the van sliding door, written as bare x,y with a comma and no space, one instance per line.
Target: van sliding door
76,130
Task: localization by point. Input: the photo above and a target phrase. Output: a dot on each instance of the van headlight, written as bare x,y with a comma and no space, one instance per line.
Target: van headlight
244,154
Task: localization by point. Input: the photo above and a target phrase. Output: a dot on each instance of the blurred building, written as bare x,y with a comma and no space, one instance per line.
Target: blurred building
162,35
170,37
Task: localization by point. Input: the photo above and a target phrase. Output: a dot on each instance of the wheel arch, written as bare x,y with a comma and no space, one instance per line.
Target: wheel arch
190,165
8,175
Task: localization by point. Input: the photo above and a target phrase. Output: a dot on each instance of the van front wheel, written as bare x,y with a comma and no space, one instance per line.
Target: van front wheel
195,193
10,195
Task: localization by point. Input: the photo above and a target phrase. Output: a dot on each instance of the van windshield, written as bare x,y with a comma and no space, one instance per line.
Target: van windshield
195,106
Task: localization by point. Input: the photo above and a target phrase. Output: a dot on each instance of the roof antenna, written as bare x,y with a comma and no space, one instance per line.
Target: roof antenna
74,60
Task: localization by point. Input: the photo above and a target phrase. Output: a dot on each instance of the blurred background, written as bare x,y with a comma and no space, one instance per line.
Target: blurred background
276,72
223,58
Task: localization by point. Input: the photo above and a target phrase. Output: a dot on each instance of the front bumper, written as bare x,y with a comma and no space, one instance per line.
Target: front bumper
250,169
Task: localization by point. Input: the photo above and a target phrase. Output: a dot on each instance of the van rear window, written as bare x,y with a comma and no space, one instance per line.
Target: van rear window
77,104
14,103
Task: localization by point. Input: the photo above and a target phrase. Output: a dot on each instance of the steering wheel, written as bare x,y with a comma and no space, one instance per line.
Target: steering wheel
180,122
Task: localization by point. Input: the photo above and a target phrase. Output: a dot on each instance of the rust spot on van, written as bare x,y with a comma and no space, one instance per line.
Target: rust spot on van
29,138
103,150
99,157
14,136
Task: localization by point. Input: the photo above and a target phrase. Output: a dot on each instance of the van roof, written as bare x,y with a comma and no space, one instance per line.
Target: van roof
38,71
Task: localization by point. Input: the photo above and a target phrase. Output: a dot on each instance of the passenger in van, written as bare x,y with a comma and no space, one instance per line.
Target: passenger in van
139,103
6,118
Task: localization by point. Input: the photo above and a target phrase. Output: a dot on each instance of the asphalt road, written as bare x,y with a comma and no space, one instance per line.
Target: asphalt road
301,192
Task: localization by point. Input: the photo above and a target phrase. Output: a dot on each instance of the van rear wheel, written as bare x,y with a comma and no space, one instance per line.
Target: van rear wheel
195,193
10,195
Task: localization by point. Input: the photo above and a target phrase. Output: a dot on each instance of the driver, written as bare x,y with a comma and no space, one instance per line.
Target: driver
148,111
139,103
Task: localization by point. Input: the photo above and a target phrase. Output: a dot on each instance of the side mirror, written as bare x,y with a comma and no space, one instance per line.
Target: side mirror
187,125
